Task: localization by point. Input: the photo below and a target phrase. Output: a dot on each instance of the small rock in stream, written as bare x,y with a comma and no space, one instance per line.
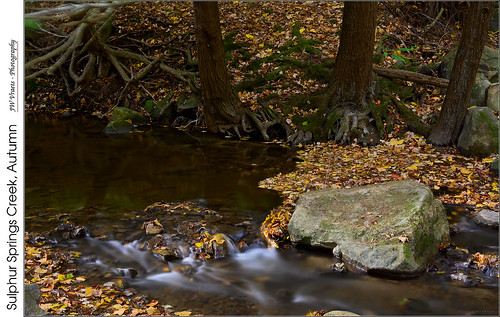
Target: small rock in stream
456,254
127,272
339,267
487,218
152,227
69,230
465,280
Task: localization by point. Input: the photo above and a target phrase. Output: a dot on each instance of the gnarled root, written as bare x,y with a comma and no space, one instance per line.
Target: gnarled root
356,127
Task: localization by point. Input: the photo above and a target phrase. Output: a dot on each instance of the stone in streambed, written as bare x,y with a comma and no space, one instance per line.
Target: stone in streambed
486,218
393,228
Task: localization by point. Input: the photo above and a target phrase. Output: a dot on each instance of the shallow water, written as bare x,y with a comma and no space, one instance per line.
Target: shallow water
74,170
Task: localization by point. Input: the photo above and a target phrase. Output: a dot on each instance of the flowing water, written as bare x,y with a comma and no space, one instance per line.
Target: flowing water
104,182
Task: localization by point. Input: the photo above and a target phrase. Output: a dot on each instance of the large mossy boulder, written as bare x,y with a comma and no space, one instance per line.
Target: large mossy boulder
479,136
392,228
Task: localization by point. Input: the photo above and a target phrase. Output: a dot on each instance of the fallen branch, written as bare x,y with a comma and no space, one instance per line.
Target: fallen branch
430,26
411,76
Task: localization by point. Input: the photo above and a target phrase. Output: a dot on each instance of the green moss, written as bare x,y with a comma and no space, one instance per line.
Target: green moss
318,72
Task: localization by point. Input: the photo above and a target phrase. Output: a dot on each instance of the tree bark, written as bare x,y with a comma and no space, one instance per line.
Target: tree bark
220,104
451,118
352,72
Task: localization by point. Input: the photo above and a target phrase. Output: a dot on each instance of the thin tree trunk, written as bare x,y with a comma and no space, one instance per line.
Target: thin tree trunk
451,118
220,104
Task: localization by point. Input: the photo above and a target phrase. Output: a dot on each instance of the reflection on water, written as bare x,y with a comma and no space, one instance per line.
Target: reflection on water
72,167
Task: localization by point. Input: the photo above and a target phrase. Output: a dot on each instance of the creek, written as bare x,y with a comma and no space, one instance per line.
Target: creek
75,171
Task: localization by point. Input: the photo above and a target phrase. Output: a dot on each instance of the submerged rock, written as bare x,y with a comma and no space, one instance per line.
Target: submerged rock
393,228
119,127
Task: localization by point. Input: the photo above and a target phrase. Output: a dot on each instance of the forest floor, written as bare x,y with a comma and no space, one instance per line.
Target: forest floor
264,27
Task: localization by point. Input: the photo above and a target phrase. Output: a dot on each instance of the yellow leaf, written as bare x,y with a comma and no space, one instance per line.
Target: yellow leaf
249,36
88,291
52,96
464,171
152,311
39,270
265,14
218,238
395,142
183,313
413,167
198,244
487,160
301,30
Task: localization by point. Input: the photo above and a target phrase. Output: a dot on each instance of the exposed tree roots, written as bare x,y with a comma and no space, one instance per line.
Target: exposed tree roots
84,54
266,123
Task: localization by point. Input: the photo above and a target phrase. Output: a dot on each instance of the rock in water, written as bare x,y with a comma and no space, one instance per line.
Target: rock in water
487,218
393,228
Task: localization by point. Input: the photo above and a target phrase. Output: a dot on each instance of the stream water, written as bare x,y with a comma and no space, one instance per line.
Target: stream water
104,182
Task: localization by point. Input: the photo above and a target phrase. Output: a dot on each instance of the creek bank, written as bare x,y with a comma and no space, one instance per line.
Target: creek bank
391,228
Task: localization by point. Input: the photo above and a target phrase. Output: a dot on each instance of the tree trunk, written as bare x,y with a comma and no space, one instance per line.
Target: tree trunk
470,48
220,104
349,93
